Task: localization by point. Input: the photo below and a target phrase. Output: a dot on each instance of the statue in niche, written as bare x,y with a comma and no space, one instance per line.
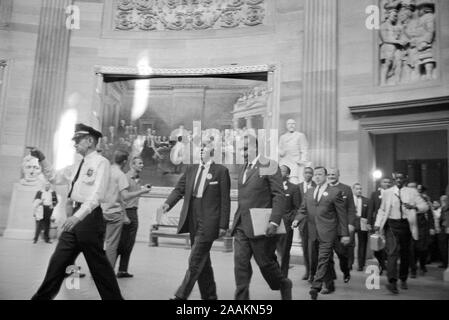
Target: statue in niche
426,31
293,151
31,171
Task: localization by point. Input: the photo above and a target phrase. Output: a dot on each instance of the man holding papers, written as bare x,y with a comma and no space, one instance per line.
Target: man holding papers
259,186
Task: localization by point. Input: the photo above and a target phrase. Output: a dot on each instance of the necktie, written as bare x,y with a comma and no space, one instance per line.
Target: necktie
198,182
248,167
317,194
75,178
400,203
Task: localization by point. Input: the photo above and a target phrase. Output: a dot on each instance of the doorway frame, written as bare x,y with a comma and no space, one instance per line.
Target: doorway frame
369,128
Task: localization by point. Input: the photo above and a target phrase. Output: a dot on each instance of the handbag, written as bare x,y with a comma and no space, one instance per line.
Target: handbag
377,242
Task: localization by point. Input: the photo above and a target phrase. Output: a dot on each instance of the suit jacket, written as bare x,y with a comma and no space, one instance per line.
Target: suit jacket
326,219
293,201
216,200
408,195
348,197
259,191
301,188
364,213
373,206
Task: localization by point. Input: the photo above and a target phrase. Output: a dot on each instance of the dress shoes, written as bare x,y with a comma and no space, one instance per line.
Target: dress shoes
329,288
392,287
442,266
286,289
124,274
346,278
313,294
305,277
404,285
413,275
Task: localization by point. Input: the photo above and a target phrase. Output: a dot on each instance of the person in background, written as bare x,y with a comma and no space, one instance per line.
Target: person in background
361,222
434,250
345,252
292,203
129,231
117,193
304,186
48,200
397,215
373,207
443,236
419,249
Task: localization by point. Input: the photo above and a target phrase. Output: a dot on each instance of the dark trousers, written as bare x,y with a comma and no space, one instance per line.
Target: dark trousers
284,246
263,249
443,246
304,233
200,266
397,237
345,254
44,224
127,239
86,237
418,254
381,257
325,265
362,238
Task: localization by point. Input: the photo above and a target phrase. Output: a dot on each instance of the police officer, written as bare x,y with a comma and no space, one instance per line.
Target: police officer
84,230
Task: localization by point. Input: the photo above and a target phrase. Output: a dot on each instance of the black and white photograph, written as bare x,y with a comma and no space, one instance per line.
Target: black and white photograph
230,150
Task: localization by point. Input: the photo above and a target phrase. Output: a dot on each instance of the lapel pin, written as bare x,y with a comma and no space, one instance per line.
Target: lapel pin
209,176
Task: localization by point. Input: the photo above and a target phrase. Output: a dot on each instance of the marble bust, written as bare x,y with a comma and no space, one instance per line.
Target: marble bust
31,171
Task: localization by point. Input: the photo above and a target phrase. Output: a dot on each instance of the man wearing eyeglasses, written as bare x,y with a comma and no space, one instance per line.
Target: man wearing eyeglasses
83,231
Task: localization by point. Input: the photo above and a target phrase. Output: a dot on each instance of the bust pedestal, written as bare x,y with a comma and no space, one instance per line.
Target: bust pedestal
21,223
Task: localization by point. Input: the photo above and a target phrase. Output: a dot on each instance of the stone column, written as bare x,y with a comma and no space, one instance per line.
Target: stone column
319,104
249,122
5,13
49,78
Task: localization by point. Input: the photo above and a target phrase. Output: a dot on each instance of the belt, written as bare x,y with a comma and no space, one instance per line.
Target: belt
196,198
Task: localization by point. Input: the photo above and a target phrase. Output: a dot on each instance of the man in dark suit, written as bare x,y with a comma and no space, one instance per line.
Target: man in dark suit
361,222
304,186
259,186
292,203
205,215
345,253
327,221
373,207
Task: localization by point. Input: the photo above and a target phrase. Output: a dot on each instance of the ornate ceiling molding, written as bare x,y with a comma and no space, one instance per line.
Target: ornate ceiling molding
135,71
179,15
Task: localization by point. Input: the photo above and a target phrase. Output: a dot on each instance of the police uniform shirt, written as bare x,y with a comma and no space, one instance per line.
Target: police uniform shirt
90,187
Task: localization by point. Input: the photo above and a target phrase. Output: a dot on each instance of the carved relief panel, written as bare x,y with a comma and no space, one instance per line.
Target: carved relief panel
173,15
407,45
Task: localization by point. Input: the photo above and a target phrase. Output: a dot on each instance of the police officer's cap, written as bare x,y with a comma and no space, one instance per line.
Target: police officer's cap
83,130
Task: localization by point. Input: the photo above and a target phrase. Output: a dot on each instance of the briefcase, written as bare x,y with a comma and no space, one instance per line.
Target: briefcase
260,218
377,242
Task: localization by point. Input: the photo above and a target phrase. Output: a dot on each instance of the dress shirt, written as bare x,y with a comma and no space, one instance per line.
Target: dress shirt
307,186
396,206
253,163
321,190
47,199
203,178
90,188
358,205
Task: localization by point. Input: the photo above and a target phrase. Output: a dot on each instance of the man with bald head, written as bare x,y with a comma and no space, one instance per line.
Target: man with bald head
293,151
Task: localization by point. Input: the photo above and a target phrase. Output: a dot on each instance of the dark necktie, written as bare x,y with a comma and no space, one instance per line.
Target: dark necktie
245,173
198,182
400,203
317,194
75,178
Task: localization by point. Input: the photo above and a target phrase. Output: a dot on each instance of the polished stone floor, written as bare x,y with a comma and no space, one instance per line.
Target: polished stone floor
158,272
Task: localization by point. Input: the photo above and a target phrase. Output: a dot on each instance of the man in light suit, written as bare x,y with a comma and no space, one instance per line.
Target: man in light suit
327,221
259,186
304,186
205,215
373,207
397,218
361,225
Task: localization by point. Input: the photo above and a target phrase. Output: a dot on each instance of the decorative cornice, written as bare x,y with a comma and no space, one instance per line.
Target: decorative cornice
135,71
400,107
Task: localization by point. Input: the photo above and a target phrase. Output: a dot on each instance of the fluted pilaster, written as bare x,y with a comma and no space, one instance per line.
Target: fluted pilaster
49,77
319,110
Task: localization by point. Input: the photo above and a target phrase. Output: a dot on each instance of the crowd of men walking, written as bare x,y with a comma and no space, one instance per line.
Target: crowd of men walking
102,210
